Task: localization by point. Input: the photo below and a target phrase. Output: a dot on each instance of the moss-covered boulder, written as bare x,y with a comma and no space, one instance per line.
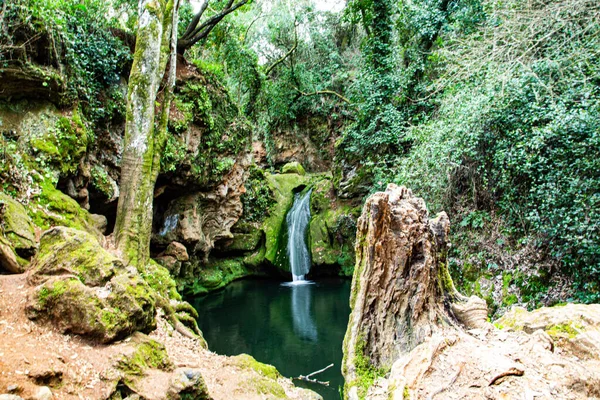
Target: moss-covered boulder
51,207
146,371
81,288
293,168
17,227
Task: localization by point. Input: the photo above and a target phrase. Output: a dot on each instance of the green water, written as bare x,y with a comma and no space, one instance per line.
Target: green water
298,329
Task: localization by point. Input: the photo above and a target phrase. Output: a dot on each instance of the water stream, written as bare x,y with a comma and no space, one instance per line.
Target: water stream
297,221
297,326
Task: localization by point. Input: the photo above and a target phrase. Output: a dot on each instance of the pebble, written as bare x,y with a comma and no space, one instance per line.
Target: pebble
13,389
43,394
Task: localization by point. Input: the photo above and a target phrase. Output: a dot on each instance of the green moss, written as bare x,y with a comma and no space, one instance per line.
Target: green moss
148,353
247,361
366,373
216,275
86,258
265,386
51,207
102,181
159,279
16,225
567,330
50,293
293,168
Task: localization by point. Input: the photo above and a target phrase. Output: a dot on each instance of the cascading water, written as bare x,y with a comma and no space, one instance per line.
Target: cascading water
297,221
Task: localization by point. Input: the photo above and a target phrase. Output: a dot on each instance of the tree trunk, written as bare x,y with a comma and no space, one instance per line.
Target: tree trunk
402,292
145,132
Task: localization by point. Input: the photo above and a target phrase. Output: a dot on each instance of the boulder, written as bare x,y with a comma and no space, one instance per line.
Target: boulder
293,168
81,288
17,226
147,371
8,259
177,251
411,335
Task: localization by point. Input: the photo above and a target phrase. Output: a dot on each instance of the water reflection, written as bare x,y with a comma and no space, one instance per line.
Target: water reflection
298,327
304,326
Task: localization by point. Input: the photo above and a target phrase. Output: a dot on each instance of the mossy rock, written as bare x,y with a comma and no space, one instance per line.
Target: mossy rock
51,207
266,384
146,353
293,168
17,227
216,275
283,187
247,361
245,241
83,289
332,230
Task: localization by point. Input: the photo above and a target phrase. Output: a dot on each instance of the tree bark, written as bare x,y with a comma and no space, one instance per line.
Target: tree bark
144,136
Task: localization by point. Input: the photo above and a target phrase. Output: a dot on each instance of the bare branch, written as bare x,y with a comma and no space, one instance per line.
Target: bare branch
319,92
286,55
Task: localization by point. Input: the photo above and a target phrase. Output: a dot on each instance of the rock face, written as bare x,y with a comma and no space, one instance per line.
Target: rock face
412,335
199,219
82,289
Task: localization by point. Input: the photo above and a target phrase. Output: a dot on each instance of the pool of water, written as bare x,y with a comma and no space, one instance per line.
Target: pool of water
297,328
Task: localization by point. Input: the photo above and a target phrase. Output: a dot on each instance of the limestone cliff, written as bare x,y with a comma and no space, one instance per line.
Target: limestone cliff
412,335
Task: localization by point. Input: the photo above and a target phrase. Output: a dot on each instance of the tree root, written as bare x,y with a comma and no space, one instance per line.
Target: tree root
182,317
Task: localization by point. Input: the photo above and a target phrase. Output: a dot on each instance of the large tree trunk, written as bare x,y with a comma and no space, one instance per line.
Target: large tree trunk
411,335
402,292
145,132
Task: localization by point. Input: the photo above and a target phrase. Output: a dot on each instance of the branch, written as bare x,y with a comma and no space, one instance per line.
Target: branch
201,31
195,20
308,379
289,53
319,92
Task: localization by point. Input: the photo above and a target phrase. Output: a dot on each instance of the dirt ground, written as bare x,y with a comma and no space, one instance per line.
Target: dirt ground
32,356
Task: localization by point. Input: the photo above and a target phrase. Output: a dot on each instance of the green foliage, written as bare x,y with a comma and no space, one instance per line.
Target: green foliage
516,131
225,133
258,199
81,44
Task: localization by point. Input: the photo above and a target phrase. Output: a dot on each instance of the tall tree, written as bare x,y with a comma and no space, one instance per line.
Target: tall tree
146,125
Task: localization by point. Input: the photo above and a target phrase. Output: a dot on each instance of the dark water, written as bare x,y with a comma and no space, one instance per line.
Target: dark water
298,329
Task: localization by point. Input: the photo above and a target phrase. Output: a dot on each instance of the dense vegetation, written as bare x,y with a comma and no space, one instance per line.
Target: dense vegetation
489,110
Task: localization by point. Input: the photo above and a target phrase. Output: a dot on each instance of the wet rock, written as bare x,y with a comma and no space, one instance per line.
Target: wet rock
81,288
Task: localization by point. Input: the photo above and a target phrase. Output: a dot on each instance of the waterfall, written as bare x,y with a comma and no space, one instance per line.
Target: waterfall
297,222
